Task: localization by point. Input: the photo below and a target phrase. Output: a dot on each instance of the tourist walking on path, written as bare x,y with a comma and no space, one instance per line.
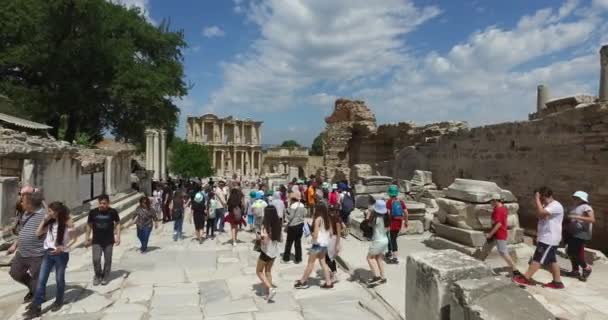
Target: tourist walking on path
167,196
56,229
320,242
333,249
347,205
177,213
334,197
28,248
221,194
311,200
235,217
580,226
270,241
294,218
104,223
278,203
550,214
198,215
498,234
380,222
145,219
398,214
212,210
158,199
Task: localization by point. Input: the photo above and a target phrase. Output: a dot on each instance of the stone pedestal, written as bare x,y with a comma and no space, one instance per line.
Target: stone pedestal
430,277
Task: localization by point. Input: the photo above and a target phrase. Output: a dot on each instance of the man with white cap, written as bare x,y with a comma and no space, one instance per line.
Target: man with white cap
580,225
498,234
550,214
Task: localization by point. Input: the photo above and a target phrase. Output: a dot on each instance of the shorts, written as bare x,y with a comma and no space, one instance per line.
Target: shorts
317,249
501,246
264,257
545,254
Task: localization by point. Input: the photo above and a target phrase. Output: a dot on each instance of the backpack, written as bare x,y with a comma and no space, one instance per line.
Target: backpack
396,208
348,204
333,198
366,228
258,208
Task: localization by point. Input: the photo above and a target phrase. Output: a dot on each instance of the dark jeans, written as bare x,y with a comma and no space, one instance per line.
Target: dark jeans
219,217
210,226
59,262
392,244
294,236
106,250
178,227
20,267
166,213
576,253
344,216
143,234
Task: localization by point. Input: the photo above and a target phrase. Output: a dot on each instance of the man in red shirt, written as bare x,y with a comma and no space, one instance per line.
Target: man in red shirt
498,234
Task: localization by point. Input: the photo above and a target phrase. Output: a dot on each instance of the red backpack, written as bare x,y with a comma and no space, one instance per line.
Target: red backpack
333,198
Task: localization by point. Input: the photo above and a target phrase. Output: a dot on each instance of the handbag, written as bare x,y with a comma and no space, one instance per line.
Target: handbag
306,230
366,228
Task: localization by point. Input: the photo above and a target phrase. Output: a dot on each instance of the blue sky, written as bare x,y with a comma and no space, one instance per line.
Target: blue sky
284,62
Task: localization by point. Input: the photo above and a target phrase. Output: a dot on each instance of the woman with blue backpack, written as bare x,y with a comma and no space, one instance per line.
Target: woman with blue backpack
398,215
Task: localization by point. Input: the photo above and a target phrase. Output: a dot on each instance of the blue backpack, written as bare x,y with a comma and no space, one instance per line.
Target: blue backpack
396,208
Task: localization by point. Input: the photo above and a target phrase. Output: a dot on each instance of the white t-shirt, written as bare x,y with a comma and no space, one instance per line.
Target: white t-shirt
579,229
550,228
51,237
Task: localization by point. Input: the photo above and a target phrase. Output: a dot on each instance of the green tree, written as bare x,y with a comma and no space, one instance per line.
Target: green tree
189,160
317,145
90,67
290,144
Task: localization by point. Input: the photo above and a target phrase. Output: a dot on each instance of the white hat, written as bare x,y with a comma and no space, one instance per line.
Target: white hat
496,196
380,207
582,195
334,186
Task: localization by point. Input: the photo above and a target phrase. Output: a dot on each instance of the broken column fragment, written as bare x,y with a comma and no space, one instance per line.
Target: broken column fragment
604,74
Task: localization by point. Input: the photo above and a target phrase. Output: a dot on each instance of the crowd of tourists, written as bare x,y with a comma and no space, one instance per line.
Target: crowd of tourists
301,209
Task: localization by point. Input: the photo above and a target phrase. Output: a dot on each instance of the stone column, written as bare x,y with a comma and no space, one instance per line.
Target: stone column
212,150
251,163
235,134
243,135
222,161
156,154
604,73
163,154
222,136
234,160
259,129
242,162
203,132
149,151
542,96
260,162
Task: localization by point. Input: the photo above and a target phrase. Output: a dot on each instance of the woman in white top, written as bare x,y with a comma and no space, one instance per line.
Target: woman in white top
57,226
320,243
270,240
379,221
579,228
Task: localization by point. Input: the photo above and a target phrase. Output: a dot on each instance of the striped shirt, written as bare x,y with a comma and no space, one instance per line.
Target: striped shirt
31,245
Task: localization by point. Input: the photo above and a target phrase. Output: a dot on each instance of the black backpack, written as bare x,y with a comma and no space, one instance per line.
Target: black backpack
367,229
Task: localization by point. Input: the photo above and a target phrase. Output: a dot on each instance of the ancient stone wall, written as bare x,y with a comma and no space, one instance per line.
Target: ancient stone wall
566,151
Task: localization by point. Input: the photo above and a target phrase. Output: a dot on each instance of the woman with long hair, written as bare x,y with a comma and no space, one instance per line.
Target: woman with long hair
380,222
145,219
235,213
334,242
271,239
198,214
320,242
57,226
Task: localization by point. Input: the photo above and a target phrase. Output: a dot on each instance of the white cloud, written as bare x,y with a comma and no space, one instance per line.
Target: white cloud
489,76
305,42
601,4
213,31
143,5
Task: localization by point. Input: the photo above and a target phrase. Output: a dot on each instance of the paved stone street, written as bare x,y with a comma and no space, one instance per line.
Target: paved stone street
188,280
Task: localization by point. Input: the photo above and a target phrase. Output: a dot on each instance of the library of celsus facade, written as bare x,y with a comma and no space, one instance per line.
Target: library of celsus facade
234,145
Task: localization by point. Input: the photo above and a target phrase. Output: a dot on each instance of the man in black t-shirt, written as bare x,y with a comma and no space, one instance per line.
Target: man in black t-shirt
104,222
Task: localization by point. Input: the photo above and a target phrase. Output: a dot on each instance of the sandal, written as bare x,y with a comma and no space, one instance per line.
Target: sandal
301,285
327,286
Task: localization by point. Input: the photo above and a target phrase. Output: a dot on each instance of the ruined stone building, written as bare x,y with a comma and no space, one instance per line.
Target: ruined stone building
292,162
564,145
234,145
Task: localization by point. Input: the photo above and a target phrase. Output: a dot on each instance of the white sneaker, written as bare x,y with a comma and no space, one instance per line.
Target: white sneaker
271,294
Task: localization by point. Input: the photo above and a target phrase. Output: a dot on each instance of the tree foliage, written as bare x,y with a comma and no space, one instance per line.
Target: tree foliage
317,145
189,160
90,67
290,144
